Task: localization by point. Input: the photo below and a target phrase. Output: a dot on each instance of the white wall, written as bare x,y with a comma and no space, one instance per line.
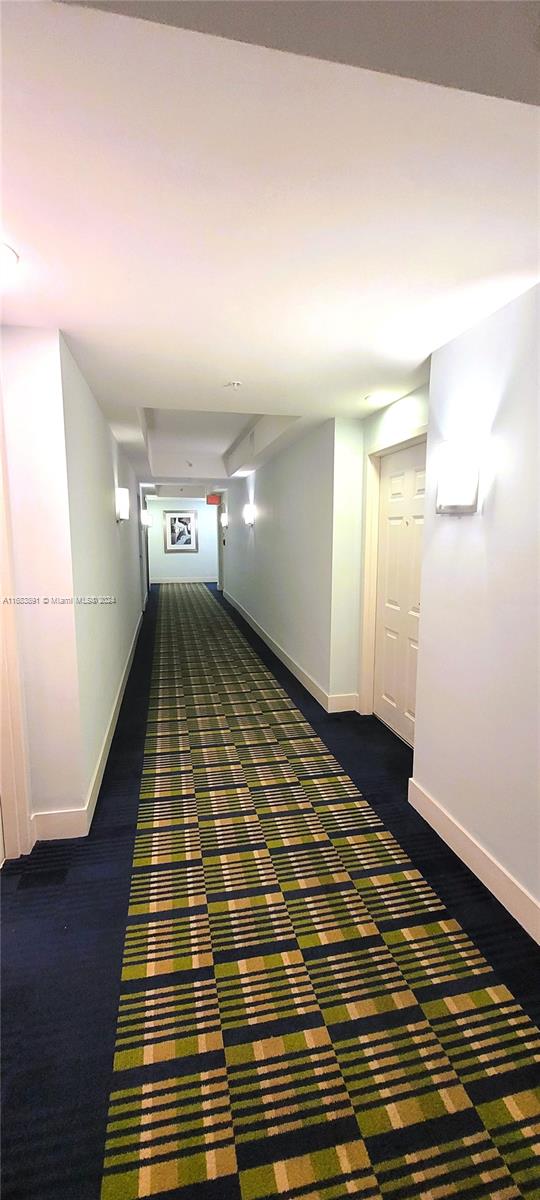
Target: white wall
279,573
41,541
397,423
62,465
201,567
105,560
297,575
476,761
14,756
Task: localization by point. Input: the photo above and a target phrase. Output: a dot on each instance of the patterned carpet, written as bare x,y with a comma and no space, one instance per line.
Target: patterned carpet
300,1016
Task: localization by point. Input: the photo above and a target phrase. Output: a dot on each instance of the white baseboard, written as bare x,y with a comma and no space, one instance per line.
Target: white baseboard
76,822
192,579
60,824
519,902
330,703
342,702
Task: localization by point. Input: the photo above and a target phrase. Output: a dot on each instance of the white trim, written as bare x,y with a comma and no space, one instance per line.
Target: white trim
330,703
382,448
93,791
76,822
192,579
519,902
57,825
342,702
366,681
221,540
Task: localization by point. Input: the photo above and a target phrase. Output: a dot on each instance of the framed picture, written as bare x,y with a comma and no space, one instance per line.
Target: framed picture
180,532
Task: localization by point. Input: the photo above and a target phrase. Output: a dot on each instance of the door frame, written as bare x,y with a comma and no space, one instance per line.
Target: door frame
221,540
370,561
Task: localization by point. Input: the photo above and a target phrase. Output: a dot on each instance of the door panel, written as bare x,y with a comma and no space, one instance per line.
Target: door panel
390,667
401,520
410,680
393,564
397,483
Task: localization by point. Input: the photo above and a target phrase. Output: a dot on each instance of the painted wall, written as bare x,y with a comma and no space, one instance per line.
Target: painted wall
62,466
346,560
105,559
279,572
477,744
41,541
14,758
301,581
183,568
398,422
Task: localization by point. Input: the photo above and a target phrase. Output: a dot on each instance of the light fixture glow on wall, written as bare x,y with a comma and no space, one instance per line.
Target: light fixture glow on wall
224,520
122,504
458,479
146,518
248,514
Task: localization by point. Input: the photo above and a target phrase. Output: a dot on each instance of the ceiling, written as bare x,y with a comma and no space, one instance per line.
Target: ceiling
190,445
191,210
212,432
488,46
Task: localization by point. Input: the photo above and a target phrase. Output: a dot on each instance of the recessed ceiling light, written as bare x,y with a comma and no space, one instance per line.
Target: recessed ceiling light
8,258
233,383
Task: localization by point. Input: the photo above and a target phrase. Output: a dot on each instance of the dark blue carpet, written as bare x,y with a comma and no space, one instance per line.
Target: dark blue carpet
380,764
64,917
63,924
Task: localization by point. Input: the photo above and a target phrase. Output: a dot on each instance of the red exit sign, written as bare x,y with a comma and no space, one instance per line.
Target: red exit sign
213,498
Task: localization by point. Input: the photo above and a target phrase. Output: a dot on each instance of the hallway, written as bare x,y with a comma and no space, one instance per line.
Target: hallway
300,1012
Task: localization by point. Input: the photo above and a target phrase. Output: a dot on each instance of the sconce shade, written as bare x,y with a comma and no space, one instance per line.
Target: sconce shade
249,514
458,480
224,520
122,504
146,517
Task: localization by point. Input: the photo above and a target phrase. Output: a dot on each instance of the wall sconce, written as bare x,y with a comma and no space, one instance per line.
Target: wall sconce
224,520
248,514
146,518
122,504
458,480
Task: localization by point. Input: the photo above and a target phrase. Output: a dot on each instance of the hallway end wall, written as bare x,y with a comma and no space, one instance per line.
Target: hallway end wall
199,567
476,762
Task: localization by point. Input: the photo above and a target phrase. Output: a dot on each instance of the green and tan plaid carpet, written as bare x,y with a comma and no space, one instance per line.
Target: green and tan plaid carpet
299,1014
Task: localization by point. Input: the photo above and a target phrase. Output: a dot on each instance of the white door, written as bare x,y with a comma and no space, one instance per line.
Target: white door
401,519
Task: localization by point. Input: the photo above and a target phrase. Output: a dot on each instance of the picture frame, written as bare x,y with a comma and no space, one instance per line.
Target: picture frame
180,532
